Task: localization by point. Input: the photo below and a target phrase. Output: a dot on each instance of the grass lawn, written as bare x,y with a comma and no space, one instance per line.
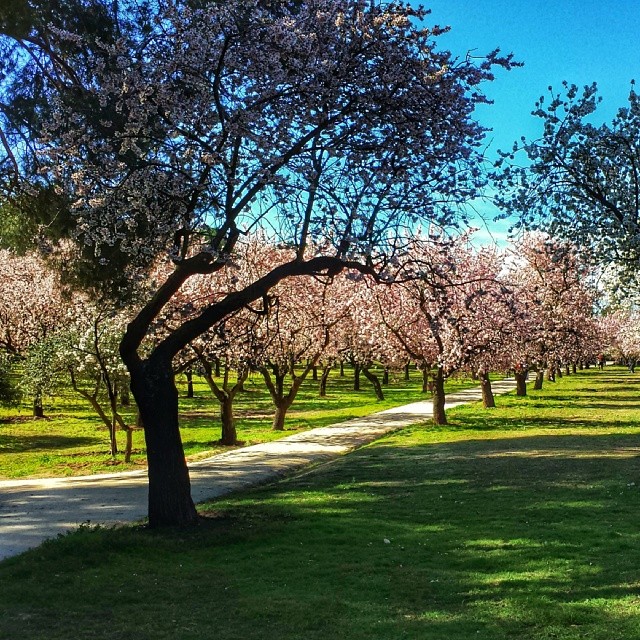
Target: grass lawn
73,441
514,523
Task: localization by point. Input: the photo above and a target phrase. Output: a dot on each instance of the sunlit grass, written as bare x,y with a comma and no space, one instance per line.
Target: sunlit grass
73,441
515,523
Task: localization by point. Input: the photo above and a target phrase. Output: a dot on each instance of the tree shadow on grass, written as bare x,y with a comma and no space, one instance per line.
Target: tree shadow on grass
19,444
516,537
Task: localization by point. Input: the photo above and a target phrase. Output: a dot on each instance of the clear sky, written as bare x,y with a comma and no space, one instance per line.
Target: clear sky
580,41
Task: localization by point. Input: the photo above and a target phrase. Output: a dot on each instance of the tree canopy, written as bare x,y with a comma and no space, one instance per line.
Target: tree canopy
580,181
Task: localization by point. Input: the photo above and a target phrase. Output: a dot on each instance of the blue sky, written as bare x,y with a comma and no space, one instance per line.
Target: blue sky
580,41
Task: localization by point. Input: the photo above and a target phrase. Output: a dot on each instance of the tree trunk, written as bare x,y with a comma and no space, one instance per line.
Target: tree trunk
229,435
280,415
521,383
153,387
385,376
189,374
216,367
574,368
373,379
539,380
488,401
341,369
356,377
567,370
427,385
323,381
314,372
439,416
407,376
38,409
558,372
551,374
128,447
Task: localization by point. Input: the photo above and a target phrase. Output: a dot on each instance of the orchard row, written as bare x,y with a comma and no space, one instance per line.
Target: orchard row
443,305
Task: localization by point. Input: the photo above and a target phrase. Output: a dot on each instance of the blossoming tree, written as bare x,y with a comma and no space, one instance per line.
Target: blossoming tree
336,122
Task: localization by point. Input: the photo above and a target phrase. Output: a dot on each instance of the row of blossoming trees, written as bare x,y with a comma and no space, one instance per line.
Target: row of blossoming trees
136,133
443,306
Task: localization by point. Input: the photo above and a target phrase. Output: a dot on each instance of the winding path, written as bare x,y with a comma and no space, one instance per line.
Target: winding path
33,510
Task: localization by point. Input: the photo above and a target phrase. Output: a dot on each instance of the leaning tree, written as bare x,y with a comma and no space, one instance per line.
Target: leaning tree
335,124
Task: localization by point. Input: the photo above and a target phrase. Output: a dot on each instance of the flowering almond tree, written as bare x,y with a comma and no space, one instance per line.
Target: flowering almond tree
191,123
32,307
555,323
447,310
294,334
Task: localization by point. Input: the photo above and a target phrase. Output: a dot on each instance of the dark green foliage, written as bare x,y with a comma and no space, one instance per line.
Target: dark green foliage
9,392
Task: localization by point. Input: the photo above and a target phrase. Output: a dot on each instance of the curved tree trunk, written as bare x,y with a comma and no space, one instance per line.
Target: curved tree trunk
439,416
521,383
153,387
488,400
373,379
324,378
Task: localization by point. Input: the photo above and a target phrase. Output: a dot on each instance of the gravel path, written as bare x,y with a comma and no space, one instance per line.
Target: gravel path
34,510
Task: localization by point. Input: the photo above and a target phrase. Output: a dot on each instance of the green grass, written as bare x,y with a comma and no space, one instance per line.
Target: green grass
515,523
73,441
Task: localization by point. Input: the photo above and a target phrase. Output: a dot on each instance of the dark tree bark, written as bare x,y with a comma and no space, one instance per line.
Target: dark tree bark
488,400
439,398
537,385
38,409
521,383
153,385
427,383
385,376
356,377
189,375
170,503
574,368
341,369
407,376
374,380
324,378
